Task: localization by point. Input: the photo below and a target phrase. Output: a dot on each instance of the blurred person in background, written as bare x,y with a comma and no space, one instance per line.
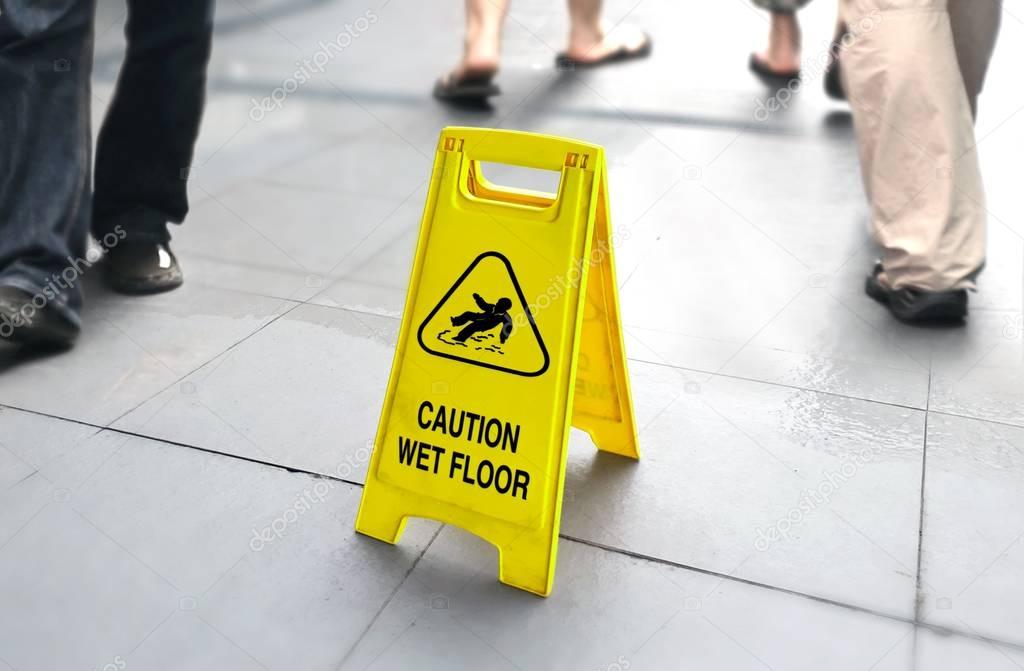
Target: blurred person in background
913,70
47,204
779,64
589,46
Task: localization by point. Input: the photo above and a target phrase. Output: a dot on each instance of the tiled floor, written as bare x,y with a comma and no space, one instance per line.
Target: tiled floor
178,492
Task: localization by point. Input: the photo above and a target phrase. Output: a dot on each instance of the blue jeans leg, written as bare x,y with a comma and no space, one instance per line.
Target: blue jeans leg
45,203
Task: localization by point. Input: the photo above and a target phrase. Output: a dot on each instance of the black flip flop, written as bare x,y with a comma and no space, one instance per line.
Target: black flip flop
473,86
772,78
564,61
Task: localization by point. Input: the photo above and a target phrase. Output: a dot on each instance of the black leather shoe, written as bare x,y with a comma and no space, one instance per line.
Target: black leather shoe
21,322
917,305
833,80
141,267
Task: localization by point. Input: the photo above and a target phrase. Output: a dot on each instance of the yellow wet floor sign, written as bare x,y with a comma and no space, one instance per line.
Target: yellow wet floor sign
510,335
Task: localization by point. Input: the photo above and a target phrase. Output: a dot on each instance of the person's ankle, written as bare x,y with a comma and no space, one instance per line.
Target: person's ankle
480,63
781,59
480,54
584,41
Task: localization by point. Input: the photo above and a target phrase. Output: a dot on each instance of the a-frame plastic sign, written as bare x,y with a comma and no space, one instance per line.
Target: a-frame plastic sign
510,335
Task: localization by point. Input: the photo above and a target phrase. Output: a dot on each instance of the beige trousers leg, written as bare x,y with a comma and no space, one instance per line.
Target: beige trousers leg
913,70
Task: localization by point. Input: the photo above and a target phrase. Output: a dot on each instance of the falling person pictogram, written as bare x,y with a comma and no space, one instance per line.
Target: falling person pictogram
499,333
491,316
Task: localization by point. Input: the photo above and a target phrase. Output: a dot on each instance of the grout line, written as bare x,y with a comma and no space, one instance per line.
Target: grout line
231,347
918,594
391,597
594,544
1000,422
792,592
668,365
746,581
775,384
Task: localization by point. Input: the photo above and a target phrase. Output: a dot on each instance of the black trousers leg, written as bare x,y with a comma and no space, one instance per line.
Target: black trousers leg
146,142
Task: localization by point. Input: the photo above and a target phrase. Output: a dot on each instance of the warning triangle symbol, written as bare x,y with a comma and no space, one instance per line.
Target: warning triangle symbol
484,320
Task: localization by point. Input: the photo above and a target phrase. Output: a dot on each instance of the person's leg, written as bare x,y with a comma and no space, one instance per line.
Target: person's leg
914,129
45,65
481,50
465,317
481,47
471,79
975,28
145,145
471,330
784,42
590,41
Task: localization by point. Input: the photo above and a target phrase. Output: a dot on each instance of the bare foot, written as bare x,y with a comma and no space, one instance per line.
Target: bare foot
783,64
589,47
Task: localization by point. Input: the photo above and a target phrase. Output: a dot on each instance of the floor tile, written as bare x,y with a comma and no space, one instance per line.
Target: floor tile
65,454
698,353
21,503
375,276
12,468
46,450
608,610
305,392
973,543
812,492
374,163
241,154
36,440
130,349
186,643
256,238
978,371
940,652
819,343
106,599
802,194
378,285
164,536
729,312
1001,286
